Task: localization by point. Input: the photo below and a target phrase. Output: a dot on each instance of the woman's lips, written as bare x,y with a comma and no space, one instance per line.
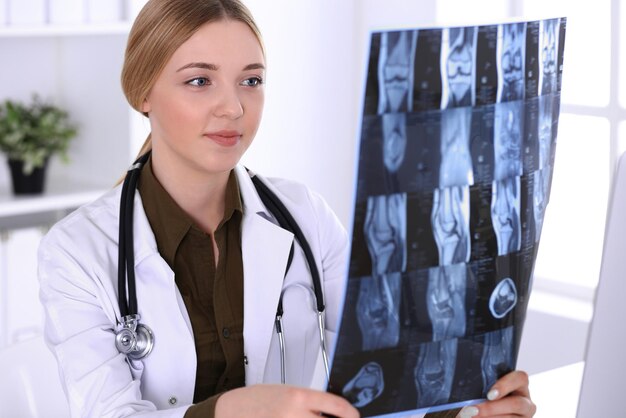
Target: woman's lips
224,138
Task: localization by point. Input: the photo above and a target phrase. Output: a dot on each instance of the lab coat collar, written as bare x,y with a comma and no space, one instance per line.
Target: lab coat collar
251,200
145,242
265,251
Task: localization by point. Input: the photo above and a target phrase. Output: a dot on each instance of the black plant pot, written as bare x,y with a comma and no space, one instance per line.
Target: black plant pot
24,184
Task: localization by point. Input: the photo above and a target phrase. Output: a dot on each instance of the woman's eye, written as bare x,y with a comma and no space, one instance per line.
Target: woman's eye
199,82
253,82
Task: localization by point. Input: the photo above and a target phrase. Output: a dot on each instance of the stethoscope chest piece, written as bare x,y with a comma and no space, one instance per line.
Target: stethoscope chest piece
134,339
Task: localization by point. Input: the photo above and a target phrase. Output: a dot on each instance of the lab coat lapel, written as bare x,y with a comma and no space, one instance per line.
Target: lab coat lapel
145,249
265,250
162,308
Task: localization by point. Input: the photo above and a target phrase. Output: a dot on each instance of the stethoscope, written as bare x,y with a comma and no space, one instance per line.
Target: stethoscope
135,339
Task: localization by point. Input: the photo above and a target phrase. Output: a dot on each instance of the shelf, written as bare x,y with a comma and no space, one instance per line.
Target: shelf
118,28
59,198
74,55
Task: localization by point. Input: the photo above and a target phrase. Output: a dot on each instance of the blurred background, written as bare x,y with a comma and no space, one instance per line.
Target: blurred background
71,51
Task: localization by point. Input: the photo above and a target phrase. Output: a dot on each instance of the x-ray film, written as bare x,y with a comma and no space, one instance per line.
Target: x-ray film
456,155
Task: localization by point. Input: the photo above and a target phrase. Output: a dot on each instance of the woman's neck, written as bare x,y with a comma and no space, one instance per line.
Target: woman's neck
200,193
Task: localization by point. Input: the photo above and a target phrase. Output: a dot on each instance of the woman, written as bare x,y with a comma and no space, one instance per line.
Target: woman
209,259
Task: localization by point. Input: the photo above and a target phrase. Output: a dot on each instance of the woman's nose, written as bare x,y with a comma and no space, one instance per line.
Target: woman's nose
229,105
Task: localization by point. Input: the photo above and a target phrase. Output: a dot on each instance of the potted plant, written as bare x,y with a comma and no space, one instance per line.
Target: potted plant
29,136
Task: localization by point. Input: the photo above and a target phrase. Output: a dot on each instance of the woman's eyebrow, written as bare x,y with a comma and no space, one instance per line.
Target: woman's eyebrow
255,66
202,65
213,67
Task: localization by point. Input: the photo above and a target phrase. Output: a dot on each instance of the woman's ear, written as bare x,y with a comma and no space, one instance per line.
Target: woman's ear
145,106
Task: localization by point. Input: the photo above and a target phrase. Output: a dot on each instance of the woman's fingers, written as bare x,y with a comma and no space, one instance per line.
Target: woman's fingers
510,406
508,397
330,405
276,401
514,383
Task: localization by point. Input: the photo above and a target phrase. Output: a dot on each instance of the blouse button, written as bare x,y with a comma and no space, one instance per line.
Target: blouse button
226,333
172,400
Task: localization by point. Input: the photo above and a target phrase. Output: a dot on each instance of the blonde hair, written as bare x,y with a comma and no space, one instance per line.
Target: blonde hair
160,28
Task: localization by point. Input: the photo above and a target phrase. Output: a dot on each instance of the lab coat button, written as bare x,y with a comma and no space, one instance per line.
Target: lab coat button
245,360
172,400
226,333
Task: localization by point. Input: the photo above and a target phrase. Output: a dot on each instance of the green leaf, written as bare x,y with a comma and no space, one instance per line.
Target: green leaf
34,132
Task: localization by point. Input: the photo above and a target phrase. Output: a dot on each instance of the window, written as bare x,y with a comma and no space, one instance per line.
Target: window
574,224
586,77
588,142
574,227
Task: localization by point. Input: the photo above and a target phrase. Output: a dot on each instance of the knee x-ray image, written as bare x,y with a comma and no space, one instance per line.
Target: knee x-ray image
394,140
446,301
378,311
505,214
450,223
456,159
503,299
395,71
497,356
366,386
511,63
385,233
548,59
458,60
455,163
434,372
508,131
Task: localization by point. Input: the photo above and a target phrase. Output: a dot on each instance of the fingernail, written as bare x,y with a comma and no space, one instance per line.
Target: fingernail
468,412
493,394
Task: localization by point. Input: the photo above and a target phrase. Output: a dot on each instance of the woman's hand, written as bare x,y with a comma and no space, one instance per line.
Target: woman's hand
276,401
508,397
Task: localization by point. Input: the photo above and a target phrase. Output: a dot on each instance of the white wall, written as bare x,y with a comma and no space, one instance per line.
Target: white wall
475,12
307,131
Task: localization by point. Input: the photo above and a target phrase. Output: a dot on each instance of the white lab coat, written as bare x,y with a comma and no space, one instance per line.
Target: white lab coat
78,277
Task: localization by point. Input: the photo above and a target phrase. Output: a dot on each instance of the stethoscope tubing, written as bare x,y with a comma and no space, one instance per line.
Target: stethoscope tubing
286,221
126,253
